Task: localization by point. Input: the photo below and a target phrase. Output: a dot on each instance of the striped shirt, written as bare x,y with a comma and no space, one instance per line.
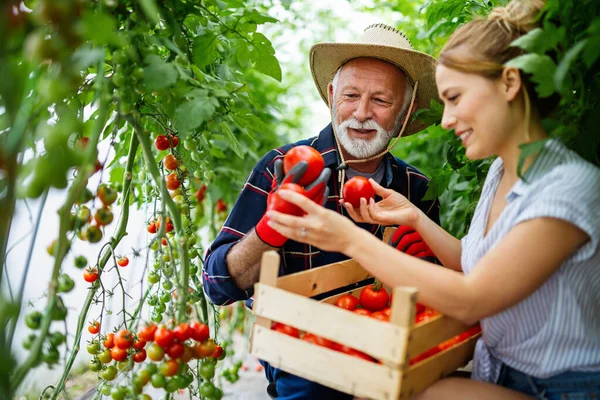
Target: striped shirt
557,328
252,202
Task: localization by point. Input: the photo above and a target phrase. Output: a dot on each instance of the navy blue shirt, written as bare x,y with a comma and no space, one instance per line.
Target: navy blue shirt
251,206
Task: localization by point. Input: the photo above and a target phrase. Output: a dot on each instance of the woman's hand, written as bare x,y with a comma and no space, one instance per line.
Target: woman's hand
393,209
320,227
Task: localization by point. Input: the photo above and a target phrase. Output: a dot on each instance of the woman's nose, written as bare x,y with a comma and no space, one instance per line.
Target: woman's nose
448,120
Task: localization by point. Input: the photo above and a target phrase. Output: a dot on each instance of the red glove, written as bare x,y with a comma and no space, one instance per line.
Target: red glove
316,191
409,241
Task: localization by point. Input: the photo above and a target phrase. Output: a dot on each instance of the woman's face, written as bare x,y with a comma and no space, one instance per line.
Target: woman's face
478,110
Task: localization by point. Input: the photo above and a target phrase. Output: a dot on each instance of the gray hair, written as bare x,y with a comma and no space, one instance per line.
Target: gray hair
408,90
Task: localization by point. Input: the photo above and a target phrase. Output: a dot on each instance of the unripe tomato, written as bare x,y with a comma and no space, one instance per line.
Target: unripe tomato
65,283
207,370
103,217
109,373
155,352
311,156
33,320
105,357
106,194
355,189
80,262
158,381
170,162
169,367
205,349
93,234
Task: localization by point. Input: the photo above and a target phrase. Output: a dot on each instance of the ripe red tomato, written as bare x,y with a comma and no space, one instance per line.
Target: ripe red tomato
355,353
139,344
380,315
183,331
218,351
173,181
308,154
355,189
374,297
420,308
200,331
147,333
348,302
109,342
162,142
362,311
221,206
169,367
201,194
94,327
387,311
175,350
123,261
319,341
139,356
152,227
425,315
170,162
277,203
118,354
123,339
174,139
90,275
163,337
205,349
286,329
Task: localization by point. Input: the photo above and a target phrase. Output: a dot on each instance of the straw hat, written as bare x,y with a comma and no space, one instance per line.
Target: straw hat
383,42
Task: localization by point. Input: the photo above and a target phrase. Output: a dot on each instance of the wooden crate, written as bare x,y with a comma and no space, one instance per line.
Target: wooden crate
287,300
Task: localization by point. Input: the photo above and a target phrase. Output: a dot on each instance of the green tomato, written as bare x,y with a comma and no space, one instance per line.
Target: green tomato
158,381
33,320
56,339
207,389
105,390
154,245
190,144
172,385
167,285
125,366
153,278
80,262
51,356
109,374
193,253
168,271
59,313
152,300
93,347
160,308
157,317
28,341
105,356
207,371
95,365
193,269
118,393
165,297
218,394
65,283
151,368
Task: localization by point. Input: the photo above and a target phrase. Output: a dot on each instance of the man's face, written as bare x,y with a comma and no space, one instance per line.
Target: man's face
368,100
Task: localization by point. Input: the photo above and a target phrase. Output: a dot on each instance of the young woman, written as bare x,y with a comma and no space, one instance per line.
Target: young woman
529,268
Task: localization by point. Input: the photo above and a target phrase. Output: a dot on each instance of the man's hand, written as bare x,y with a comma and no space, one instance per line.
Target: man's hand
409,241
316,191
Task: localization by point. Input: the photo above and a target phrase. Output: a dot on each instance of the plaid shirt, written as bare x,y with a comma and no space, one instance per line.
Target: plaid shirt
251,206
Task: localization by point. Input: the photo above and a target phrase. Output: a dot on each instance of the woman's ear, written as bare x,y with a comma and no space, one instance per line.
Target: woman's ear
511,82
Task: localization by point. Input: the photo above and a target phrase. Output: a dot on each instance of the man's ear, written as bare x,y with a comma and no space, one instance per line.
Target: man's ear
330,94
511,83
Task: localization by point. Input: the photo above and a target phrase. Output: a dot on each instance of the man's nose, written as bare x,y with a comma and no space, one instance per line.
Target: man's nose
363,110
448,120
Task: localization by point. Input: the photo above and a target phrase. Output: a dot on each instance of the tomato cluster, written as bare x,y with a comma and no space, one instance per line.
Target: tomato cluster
169,352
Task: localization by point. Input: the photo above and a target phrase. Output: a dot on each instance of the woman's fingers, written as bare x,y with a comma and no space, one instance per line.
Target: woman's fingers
380,190
352,212
301,201
365,211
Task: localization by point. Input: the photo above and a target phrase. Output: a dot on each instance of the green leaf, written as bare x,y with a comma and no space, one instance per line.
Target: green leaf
159,74
242,53
258,18
542,69
263,57
444,10
537,41
204,50
438,184
83,57
563,67
192,114
116,174
528,150
232,141
100,29
150,9
592,51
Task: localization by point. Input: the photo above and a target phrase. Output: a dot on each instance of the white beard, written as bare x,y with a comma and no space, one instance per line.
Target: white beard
362,148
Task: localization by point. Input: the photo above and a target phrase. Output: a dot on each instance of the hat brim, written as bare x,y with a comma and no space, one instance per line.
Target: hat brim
326,58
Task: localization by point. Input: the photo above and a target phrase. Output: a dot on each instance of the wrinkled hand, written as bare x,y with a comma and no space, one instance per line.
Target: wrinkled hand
392,209
320,227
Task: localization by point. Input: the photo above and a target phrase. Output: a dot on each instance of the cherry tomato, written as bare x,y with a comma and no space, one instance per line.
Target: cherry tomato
33,320
162,142
170,162
286,329
139,344
118,354
308,154
362,311
220,206
200,331
109,342
139,356
106,194
218,353
207,370
94,327
123,261
374,297
90,275
348,302
93,234
355,189
173,181
169,367
147,333
163,337
205,349
109,373
201,193
183,331
175,350
420,308
123,339
152,227
155,352
105,357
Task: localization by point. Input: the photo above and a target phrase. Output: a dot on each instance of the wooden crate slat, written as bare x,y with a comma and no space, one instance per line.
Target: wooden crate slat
421,375
315,281
429,334
381,340
331,368
269,271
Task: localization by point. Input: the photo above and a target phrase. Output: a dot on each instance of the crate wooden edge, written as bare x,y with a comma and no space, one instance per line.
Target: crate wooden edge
425,335
328,367
418,377
381,340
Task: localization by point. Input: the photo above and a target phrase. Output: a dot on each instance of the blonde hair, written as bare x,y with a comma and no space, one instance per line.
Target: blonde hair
482,47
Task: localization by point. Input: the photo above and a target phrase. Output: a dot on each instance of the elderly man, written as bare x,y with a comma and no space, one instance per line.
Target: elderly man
369,86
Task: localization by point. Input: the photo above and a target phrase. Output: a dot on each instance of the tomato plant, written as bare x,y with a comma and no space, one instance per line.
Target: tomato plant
357,188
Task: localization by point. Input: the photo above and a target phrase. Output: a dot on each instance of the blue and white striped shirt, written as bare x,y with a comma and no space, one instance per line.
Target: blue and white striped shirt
557,328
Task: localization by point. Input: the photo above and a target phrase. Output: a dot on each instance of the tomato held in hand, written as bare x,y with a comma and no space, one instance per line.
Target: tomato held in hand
374,297
308,154
348,302
278,204
355,189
